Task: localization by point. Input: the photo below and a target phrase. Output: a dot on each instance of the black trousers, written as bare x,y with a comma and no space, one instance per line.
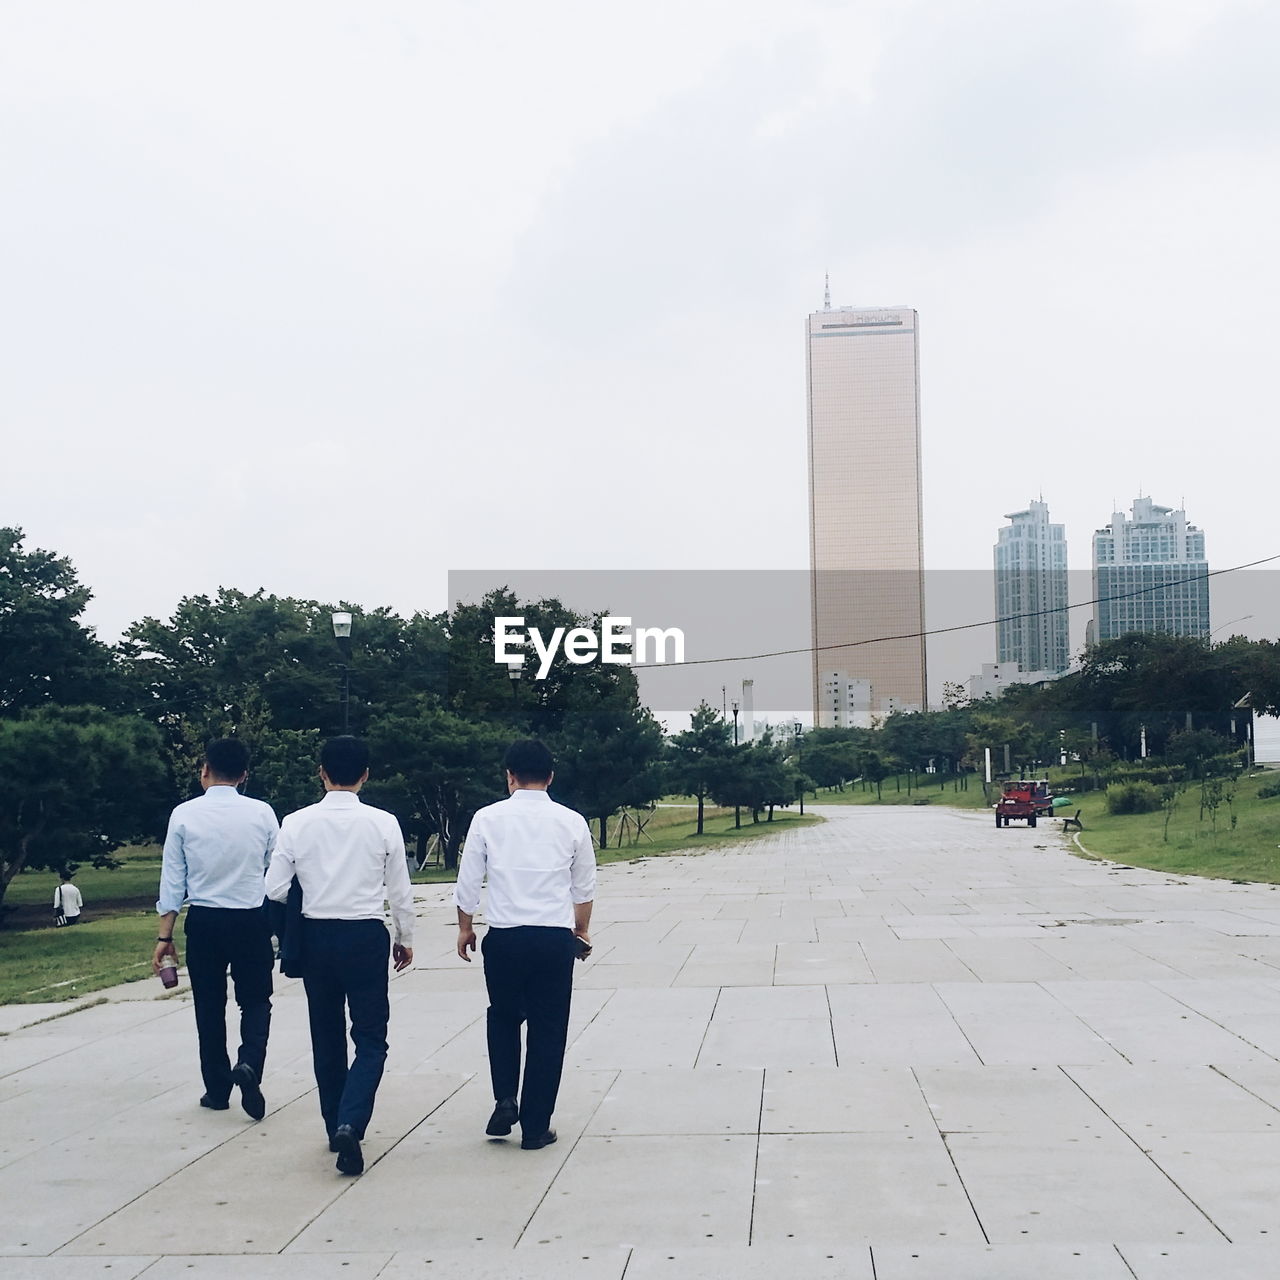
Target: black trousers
529,973
346,972
222,939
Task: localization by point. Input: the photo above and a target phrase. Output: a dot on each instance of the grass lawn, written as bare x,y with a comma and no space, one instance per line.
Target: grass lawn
1247,853
112,944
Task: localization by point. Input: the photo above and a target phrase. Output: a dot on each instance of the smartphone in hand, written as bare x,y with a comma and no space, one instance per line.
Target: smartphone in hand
582,948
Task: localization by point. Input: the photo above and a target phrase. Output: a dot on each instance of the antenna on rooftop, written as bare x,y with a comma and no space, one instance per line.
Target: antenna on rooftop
826,294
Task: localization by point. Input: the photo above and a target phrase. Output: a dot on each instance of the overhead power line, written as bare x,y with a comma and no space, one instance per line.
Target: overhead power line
964,626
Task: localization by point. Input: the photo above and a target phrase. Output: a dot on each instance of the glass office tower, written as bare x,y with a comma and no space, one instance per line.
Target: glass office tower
1031,592
866,540
1150,574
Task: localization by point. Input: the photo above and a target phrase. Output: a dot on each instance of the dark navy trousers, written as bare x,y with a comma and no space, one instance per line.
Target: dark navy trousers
222,939
346,974
528,971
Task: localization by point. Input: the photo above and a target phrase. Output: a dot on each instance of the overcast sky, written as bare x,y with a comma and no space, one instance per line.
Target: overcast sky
333,298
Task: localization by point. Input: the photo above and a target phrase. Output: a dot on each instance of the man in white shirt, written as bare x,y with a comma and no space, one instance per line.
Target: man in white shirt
541,870
67,899
349,859
215,853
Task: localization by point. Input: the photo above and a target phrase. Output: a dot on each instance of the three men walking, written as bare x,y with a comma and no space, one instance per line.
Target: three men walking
348,859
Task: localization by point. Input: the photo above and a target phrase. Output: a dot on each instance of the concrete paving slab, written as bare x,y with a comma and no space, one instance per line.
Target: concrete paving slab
999,1262
1020,1022
532,1263
1231,1176
812,963
706,1101
1008,1099
343,1266
119,1267
447,1186
724,975
1202,1261
844,1189
614,976
916,960
761,1042
260,1190
1008,959
758,1262
1161,1098
844,1100
776,1004
678,1190
1094,1187
902,1023
1145,1025
15,1016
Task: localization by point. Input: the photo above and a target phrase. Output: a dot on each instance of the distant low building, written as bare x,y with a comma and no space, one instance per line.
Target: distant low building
1266,740
996,677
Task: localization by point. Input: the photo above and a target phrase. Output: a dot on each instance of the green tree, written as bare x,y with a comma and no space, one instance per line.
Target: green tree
47,655
696,758
608,756
433,770
75,784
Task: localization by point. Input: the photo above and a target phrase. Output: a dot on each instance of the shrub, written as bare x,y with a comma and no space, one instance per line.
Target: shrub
1268,789
1133,797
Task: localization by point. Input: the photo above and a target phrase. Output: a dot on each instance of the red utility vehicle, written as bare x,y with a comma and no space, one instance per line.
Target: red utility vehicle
1026,799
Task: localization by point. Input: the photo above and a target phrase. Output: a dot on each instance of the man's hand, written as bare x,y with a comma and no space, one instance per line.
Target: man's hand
403,956
584,943
466,942
162,949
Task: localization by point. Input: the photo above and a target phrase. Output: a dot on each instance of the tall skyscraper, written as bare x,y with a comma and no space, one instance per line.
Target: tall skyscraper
1156,548
866,541
1031,591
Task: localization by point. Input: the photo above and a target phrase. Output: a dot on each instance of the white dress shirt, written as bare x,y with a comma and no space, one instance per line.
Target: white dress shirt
349,859
68,896
538,858
216,850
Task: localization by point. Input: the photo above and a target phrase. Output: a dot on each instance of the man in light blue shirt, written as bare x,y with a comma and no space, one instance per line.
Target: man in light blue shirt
216,853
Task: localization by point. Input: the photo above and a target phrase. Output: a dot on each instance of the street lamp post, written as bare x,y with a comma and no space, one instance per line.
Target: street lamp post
737,809
342,634
800,763
515,669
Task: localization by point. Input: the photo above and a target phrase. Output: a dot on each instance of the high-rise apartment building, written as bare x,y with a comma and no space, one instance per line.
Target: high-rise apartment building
1150,574
1031,591
866,539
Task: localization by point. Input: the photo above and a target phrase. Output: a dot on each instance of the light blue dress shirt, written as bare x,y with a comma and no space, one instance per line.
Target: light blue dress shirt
216,851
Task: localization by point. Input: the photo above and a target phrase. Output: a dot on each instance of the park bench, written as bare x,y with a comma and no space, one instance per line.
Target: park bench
1073,824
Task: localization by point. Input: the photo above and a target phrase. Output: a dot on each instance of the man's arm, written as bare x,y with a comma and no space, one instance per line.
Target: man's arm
281,869
173,892
399,896
583,883
466,892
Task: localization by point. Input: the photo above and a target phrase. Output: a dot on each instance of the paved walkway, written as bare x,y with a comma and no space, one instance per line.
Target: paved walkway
900,1045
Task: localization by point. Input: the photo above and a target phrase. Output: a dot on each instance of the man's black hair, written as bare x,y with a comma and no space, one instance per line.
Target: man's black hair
529,761
227,758
345,759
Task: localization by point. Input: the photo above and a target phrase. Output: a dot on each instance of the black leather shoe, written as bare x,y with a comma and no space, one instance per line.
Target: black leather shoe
251,1099
214,1104
536,1144
505,1114
350,1157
